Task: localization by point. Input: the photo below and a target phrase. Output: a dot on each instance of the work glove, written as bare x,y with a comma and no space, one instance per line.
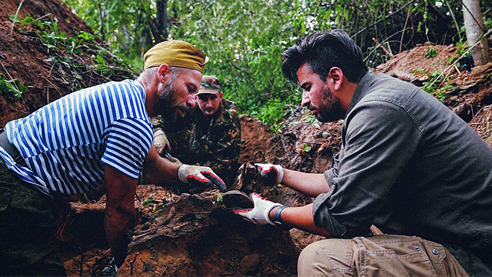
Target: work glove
260,213
271,174
111,269
200,178
161,142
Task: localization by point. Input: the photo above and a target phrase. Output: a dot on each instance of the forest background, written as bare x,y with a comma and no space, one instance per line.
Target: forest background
243,40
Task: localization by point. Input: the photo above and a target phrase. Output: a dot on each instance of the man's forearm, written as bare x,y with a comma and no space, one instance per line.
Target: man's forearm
161,172
119,215
311,184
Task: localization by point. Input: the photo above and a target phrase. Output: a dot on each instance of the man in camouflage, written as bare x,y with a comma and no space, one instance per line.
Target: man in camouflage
210,135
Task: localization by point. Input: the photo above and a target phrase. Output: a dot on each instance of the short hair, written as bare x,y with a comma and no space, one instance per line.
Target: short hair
175,71
322,51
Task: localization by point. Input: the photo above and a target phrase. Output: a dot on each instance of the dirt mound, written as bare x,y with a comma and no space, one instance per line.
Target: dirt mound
417,64
464,90
195,234
53,55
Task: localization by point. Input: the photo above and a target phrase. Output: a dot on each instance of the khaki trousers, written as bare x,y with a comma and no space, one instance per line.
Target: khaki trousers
381,255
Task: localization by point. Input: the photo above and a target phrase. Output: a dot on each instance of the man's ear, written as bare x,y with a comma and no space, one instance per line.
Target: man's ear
335,75
221,95
163,72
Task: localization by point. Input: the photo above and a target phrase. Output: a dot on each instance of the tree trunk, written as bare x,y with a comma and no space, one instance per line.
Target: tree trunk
475,29
160,29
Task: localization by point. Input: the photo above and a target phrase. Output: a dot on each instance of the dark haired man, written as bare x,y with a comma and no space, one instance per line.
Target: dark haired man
408,165
95,135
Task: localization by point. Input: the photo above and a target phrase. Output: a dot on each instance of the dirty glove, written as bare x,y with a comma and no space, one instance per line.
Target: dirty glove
111,269
200,178
161,142
271,174
260,213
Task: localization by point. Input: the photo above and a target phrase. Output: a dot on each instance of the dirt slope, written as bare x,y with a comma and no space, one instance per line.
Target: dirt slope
43,61
196,234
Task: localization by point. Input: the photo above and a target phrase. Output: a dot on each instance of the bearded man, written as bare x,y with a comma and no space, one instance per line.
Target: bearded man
101,134
408,165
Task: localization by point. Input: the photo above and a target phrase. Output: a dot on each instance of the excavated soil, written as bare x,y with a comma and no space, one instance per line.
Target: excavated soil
195,234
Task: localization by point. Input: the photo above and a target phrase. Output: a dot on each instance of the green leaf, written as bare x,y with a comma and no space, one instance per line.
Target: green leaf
100,60
86,36
306,148
12,90
148,201
158,208
219,198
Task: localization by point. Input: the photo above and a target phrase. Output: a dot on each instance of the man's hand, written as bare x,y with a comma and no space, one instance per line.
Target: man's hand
260,213
160,141
200,178
271,174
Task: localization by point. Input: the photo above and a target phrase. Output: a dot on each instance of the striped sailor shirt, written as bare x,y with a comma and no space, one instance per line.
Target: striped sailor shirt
67,143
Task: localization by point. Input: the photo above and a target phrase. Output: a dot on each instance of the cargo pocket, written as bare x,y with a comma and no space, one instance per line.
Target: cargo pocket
388,263
393,256
380,263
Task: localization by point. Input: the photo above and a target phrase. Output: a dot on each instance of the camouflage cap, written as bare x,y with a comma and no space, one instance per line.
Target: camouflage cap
210,85
175,53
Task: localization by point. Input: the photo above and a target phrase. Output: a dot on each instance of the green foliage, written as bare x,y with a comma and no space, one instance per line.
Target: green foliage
148,201
310,118
26,21
15,17
325,135
243,40
11,90
125,25
220,199
488,23
158,209
62,49
437,85
430,53
430,86
461,51
306,148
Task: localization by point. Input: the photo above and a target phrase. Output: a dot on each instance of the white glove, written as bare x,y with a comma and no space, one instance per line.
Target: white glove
200,178
160,141
260,213
271,174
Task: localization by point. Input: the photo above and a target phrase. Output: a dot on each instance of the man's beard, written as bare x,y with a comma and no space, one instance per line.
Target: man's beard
166,104
330,109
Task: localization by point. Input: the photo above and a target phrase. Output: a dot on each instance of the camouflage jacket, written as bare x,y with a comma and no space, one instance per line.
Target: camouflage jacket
194,139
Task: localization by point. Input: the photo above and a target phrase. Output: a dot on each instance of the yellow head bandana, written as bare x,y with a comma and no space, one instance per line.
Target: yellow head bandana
175,53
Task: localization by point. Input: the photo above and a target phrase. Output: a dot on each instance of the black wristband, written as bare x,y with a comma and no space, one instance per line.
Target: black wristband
277,220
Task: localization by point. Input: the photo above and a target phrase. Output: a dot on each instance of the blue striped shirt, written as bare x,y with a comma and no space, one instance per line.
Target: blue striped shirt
67,143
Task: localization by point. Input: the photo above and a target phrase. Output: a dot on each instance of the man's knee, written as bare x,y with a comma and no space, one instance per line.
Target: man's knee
330,257
390,255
